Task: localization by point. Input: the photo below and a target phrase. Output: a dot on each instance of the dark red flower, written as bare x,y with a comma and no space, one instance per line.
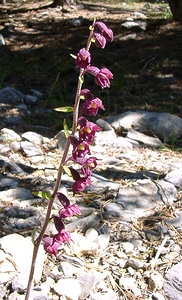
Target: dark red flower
87,130
83,58
102,76
100,40
91,107
80,183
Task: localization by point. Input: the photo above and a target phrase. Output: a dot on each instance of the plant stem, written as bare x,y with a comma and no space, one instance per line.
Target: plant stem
58,179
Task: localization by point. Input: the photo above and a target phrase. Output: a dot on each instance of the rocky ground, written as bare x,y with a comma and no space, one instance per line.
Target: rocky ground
127,243
128,238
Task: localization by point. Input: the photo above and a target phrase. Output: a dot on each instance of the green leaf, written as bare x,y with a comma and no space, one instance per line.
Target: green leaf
72,55
67,170
65,126
64,109
43,195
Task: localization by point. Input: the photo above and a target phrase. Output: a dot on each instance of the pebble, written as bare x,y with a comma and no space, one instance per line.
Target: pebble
127,247
68,287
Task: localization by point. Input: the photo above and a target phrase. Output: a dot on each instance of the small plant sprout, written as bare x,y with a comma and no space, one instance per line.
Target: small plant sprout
82,135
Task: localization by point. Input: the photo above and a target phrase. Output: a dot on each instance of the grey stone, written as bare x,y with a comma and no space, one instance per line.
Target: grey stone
13,120
33,137
100,182
61,140
135,24
30,149
112,211
104,125
16,194
8,183
175,177
36,93
30,100
13,168
9,95
144,139
146,195
165,126
175,221
92,221
135,263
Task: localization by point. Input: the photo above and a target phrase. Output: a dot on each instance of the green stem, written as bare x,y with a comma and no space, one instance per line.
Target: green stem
58,180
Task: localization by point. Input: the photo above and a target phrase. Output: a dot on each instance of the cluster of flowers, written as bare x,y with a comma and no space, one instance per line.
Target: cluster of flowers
86,133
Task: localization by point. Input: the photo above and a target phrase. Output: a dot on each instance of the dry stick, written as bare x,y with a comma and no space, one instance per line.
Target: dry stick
59,175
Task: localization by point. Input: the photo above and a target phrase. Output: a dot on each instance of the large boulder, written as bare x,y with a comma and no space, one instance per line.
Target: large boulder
165,126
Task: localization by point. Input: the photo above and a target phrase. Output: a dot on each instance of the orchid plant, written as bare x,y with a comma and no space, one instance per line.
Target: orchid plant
82,135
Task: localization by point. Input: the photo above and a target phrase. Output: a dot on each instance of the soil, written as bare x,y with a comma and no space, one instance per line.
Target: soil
39,40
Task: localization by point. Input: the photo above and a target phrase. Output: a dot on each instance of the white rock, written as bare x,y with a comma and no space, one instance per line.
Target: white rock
156,281
33,137
91,234
127,283
10,135
102,241
69,288
30,149
158,296
69,269
21,249
144,139
127,247
175,177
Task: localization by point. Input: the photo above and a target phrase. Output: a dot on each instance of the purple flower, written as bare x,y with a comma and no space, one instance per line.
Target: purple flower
80,148
108,34
83,58
102,76
100,40
100,25
62,236
105,31
88,166
80,183
69,211
92,70
50,246
87,94
91,107
87,130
